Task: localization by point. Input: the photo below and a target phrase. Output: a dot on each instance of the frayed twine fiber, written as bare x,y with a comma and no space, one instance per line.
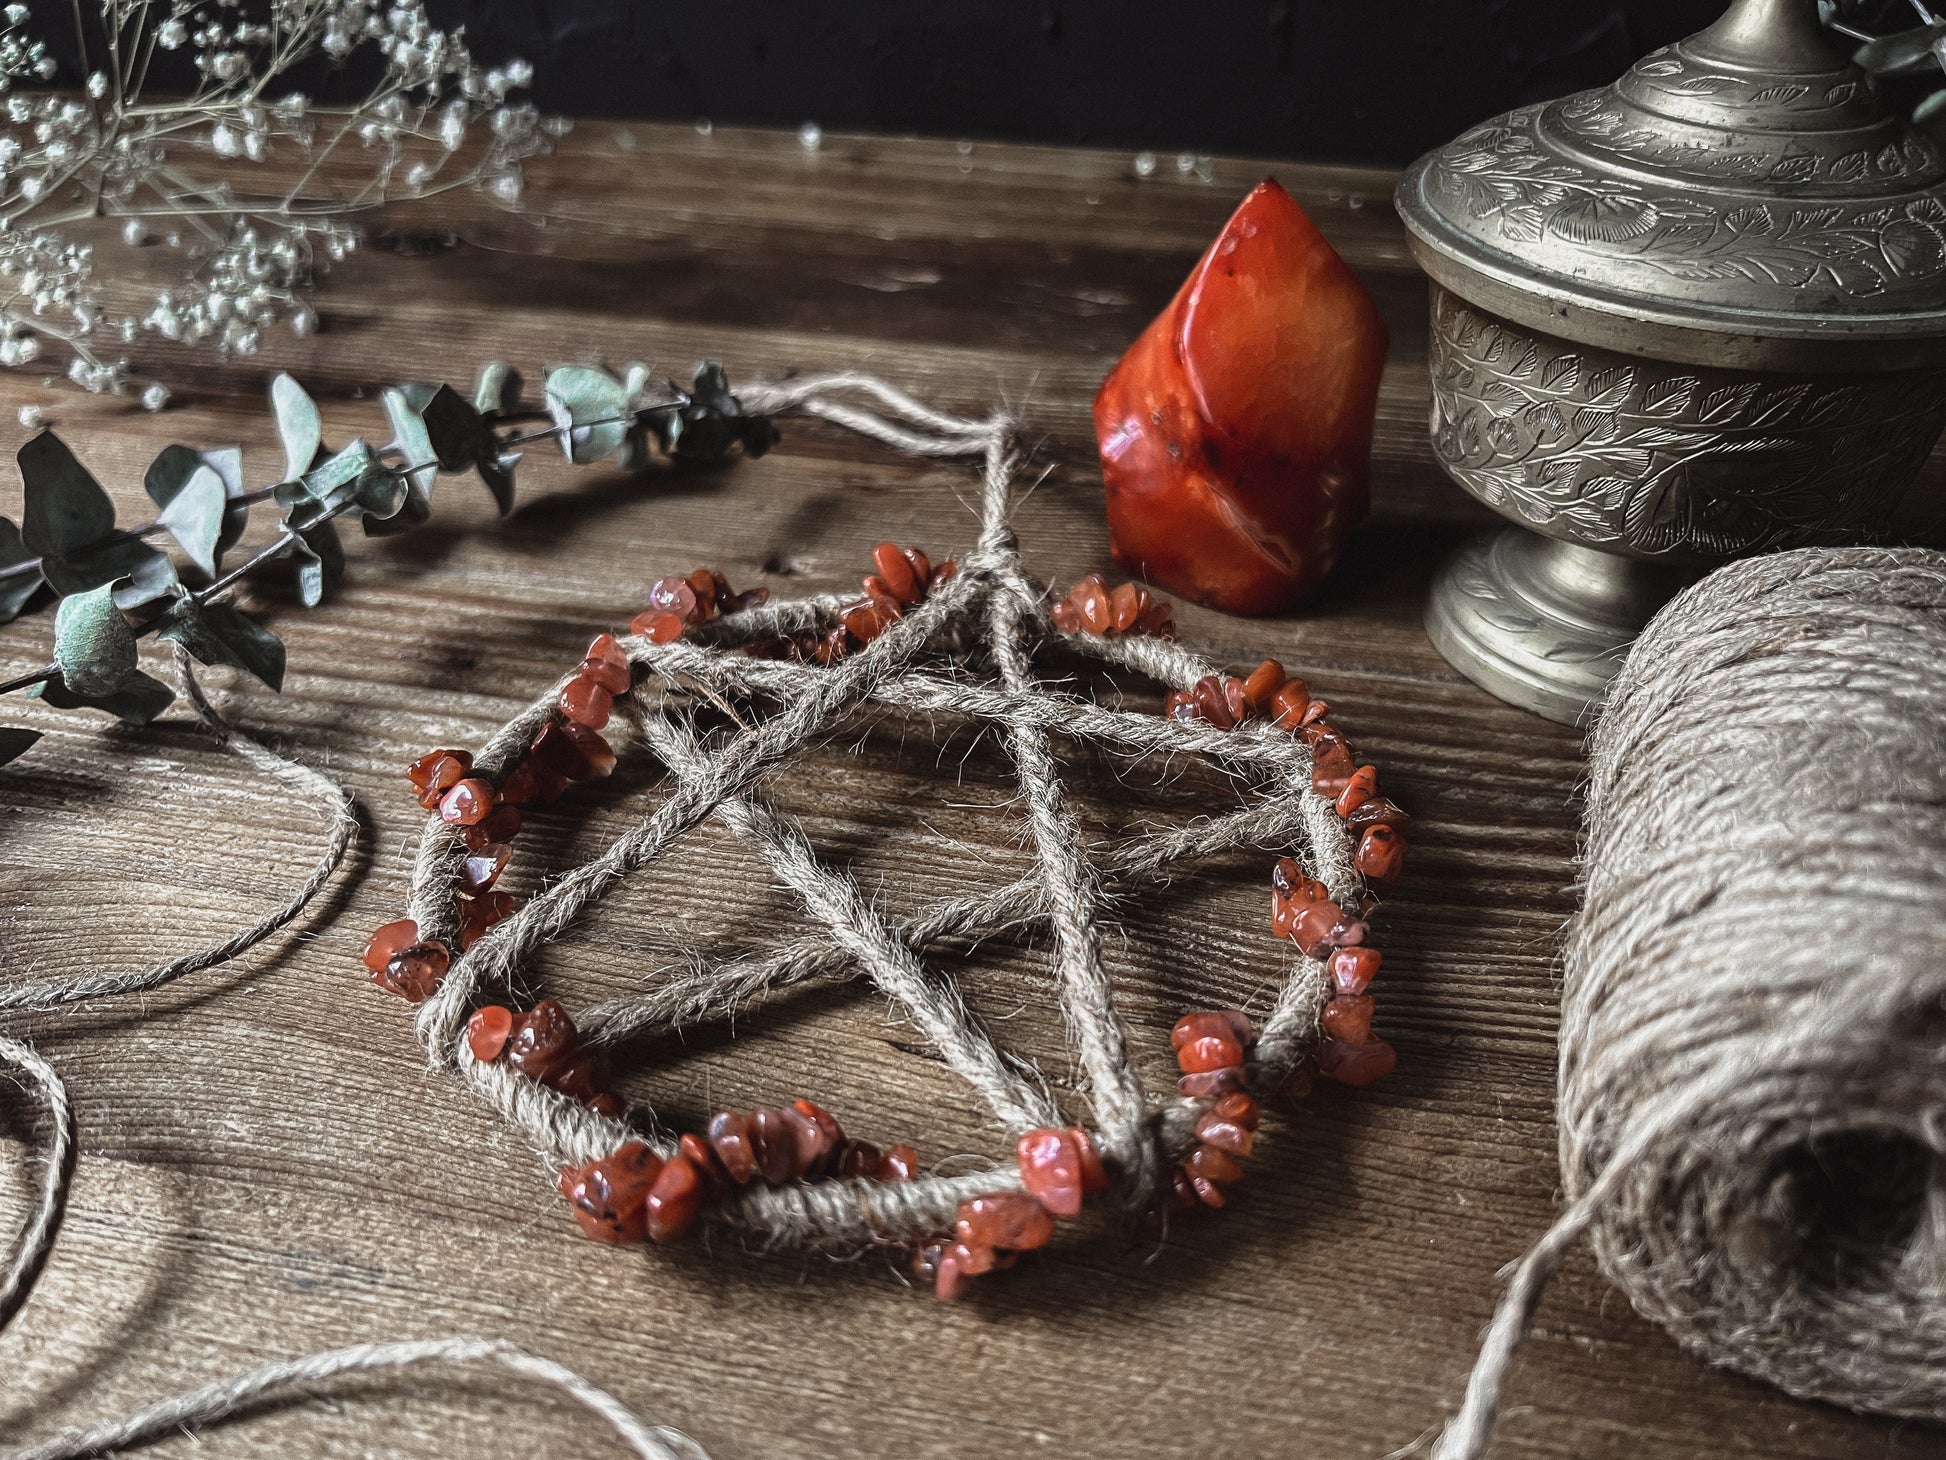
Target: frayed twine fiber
1753,1020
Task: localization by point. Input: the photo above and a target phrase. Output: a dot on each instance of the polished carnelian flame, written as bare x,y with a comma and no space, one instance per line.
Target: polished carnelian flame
1236,433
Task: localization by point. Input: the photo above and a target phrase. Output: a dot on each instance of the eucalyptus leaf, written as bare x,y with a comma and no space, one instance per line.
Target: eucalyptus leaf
1908,53
16,743
1931,107
93,644
140,572
459,434
590,409
339,479
171,471
139,701
414,442
66,508
217,633
496,388
321,558
497,471
299,426
15,588
194,517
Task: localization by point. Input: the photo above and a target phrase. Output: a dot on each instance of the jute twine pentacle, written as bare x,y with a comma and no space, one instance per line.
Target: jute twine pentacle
967,652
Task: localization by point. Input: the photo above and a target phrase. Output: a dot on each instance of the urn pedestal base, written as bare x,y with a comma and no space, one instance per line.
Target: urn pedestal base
1544,624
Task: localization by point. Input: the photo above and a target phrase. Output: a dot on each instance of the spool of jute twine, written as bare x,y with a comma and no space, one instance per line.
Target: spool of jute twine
1753,1024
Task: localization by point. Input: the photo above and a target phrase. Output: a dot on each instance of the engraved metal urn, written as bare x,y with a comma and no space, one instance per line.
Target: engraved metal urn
1697,314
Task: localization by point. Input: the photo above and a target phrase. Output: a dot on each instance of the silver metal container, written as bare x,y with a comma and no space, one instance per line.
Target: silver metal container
1696,314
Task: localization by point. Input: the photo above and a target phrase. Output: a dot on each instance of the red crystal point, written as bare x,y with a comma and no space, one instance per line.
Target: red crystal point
1236,433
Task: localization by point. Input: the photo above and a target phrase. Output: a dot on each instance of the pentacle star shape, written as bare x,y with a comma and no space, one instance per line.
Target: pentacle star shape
949,644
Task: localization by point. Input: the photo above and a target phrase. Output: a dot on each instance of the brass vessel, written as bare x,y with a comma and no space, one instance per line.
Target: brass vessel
1697,314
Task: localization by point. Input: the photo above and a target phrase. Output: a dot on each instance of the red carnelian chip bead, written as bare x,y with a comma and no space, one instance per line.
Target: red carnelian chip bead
729,1137
1094,1176
608,1196
674,1202
1288,705
807,1143
774,1144
860,1161
1212,1082
1355,1064
478,914
1362,786
606,662
1352,969
1207,1191
530,783
1050,1169
586,702
1159,618
487,1032
597,752
1224,1135
1262,685
901,1163
1213,1165
1224,1024
1008,1219
831,1135
1324,926
1181,1188
1091,600
414,972
387,940
696,1151
431,771
1124,607
1211,1052
1349,1017
1213,703
1235,700
674,595
703,582
657,625
608,1103
1331,769
580,1076
1239,1109
502,824
866,619
1381,853
480,868
896,569
1064,616
1379,811
553,749
468,802
543,1037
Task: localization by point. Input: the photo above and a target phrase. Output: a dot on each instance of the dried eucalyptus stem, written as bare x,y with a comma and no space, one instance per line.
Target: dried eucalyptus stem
176,171
67,541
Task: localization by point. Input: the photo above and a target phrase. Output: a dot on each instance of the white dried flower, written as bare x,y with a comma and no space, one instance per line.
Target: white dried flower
33,417
98,85
155,396
171,34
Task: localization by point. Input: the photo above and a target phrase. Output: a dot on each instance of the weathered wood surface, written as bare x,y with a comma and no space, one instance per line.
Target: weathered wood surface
266,1167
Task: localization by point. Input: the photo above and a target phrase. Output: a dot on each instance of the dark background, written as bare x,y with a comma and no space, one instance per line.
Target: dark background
1338,80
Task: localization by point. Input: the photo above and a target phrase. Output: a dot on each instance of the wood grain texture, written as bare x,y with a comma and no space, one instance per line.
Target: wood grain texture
268,1169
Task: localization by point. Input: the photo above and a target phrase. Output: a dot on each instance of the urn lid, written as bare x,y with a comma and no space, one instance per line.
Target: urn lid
1745,197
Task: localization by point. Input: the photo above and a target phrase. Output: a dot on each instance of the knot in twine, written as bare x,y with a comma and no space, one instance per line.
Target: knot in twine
1753,1022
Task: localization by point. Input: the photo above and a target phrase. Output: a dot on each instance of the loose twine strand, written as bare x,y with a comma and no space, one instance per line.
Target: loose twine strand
1753,1023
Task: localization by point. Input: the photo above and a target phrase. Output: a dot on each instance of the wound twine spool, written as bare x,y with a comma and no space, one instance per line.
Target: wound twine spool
1753,1023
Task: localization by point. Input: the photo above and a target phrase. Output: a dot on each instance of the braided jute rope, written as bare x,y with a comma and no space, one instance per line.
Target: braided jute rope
1753,1022
964,653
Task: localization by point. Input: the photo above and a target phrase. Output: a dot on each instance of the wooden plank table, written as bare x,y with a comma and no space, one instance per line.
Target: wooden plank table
267,1168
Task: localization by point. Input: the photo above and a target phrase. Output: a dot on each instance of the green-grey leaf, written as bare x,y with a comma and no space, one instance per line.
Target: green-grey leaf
590,409
339,478
497,471
414,442
216,633
139,701
66,508
171,471
496,388
1905,54
15,588
16,743
458,434
298,424
194,517
321,556
140,573
1931,107
93,644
